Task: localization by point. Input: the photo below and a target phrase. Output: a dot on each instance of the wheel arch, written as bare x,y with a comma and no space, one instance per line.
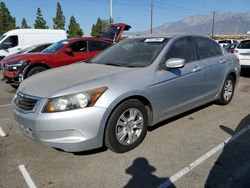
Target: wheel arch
233,74
32,65
147,103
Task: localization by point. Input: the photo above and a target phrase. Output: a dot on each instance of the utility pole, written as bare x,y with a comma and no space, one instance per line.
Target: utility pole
236,28
111,11
213,23
151,24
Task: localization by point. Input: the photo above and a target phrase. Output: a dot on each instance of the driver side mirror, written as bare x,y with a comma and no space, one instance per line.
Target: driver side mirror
173,63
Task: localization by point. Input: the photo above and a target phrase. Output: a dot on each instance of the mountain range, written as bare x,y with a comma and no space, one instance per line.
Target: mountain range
225,23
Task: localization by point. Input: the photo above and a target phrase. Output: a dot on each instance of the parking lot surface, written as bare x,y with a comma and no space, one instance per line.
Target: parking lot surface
168,154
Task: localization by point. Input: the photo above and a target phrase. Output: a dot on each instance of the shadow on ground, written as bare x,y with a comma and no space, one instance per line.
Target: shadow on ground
165,122
142,175
232,169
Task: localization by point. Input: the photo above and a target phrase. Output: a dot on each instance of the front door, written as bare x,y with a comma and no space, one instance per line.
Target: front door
178,89
79,52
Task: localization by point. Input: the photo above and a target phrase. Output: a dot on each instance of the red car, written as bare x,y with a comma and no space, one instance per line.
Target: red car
64,52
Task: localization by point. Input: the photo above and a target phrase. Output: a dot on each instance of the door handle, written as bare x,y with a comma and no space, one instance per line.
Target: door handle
19,48
197,68
222,61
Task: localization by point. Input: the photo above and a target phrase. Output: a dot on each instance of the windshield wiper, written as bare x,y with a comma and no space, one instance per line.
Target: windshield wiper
113,64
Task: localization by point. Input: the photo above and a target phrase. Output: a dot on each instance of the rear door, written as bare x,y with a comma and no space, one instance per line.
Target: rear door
178,89
213,64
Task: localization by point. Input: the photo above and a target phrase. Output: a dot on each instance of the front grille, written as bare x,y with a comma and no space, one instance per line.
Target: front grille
25,103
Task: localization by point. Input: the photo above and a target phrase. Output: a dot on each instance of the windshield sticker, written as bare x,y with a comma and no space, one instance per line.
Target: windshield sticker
154,40
65,42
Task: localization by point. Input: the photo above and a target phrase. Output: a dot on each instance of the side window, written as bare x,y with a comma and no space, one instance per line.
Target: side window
184,49
208,48
97,45
79,46
10,42
244,45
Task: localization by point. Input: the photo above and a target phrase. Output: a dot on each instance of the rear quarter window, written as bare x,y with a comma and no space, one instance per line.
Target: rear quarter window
207,48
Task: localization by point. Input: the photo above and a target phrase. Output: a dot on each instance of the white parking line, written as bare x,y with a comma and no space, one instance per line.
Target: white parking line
4,105
194,164
26,176
2,133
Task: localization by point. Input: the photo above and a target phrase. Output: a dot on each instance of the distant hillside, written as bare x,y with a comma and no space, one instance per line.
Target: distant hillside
226,23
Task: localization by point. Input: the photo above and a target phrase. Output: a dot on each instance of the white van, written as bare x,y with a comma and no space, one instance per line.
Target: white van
15,40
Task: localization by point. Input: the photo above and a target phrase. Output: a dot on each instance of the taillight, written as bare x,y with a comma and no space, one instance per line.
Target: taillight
234,51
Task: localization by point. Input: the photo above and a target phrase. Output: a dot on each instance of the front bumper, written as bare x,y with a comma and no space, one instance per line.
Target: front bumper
71,131
12,77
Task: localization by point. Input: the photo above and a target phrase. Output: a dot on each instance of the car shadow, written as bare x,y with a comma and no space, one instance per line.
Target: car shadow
232,168
165,122
245,72
142,175
91,152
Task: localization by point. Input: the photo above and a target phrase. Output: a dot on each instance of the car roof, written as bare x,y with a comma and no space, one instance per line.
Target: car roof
174,35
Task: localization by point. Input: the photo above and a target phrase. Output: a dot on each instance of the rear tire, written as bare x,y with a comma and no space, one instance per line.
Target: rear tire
35,70
227,92
127,126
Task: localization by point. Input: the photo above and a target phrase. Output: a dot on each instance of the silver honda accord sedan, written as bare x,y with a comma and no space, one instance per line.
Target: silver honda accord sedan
111,100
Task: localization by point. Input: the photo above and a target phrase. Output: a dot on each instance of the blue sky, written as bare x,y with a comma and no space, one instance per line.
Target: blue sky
133,12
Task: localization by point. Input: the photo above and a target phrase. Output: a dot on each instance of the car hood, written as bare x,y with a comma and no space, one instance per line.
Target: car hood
20,57
69,79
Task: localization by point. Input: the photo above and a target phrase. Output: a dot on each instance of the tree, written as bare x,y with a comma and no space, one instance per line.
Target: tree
74,28
24,24
40,23
111,21
59,19
7,22
99,27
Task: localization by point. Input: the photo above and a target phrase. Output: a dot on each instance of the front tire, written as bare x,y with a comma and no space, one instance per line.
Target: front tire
14,86
35,70
127,126
227,92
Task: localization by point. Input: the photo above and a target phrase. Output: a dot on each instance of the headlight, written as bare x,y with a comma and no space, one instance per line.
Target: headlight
74,101
16,66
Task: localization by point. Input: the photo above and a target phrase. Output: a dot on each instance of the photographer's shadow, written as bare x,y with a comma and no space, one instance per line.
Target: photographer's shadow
142,175
232,168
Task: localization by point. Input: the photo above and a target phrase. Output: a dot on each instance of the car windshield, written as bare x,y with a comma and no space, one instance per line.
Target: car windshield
1,37
224,41
56,46
139,52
